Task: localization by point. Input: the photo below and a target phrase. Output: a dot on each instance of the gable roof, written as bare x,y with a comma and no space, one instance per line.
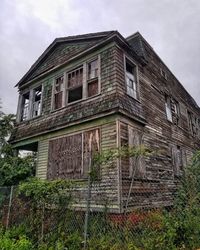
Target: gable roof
136,42
62,49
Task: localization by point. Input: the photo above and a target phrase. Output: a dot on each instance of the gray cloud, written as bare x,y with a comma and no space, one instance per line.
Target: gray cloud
28,26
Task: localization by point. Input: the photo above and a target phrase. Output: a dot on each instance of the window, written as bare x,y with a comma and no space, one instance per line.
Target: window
75,85
168,108
194,124
81,83
93,69
93,78
163,73
137,167
178,159
30,104
131,82
70,156
37,94
25,106
58,94
175,111
172,110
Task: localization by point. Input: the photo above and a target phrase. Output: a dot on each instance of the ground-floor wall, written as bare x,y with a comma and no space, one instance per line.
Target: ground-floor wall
123,184
150,181
57,151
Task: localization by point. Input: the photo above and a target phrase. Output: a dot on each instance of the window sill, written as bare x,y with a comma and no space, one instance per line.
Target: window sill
85,100
30,119
135,99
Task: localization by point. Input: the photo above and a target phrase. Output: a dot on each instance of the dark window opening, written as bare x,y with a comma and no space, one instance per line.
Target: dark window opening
75,94
75,85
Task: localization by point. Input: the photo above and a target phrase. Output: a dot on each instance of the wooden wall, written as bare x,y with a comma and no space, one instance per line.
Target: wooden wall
105,191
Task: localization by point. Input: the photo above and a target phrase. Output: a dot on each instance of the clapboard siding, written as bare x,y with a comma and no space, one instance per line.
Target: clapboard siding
42,159
104,191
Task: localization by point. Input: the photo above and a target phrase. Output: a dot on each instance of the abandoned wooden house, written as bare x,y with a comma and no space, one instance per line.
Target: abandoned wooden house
112,91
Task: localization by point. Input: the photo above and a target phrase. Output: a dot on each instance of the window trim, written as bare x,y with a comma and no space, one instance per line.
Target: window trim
65,73
168,102
83,178
136,72
31,94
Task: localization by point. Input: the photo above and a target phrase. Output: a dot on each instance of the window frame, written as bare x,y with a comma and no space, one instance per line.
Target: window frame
136,76
40,110
168,108
67,88
82,132
30,106
179,160
86,81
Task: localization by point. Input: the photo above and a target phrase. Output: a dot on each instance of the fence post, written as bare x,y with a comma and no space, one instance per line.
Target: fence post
88,196
9,207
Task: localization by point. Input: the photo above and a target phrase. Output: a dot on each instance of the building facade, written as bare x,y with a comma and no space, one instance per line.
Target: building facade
100,91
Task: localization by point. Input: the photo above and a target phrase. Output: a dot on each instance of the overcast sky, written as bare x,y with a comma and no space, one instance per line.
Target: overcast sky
27,27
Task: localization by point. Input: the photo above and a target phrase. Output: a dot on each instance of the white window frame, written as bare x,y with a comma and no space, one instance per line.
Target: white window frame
135,96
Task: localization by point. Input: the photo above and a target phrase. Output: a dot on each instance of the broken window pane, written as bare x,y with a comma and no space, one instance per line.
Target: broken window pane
75,78
168,108
75,85
58,94
37,92
131,80
93,69
25,106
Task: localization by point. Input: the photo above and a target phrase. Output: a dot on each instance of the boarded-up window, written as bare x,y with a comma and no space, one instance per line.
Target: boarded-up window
69,157
179,160
194,124
93,88
58,93
90,147
137,163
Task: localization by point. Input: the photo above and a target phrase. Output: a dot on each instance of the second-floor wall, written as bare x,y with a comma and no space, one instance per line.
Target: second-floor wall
104,81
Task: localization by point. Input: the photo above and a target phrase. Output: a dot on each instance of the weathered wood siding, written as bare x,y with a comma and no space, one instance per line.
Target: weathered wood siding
105,190
157,179
42,159
159,183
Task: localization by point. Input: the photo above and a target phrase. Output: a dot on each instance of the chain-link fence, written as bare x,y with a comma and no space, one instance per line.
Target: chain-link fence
65,222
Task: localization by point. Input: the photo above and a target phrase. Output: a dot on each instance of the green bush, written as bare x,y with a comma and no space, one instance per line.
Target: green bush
14,239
